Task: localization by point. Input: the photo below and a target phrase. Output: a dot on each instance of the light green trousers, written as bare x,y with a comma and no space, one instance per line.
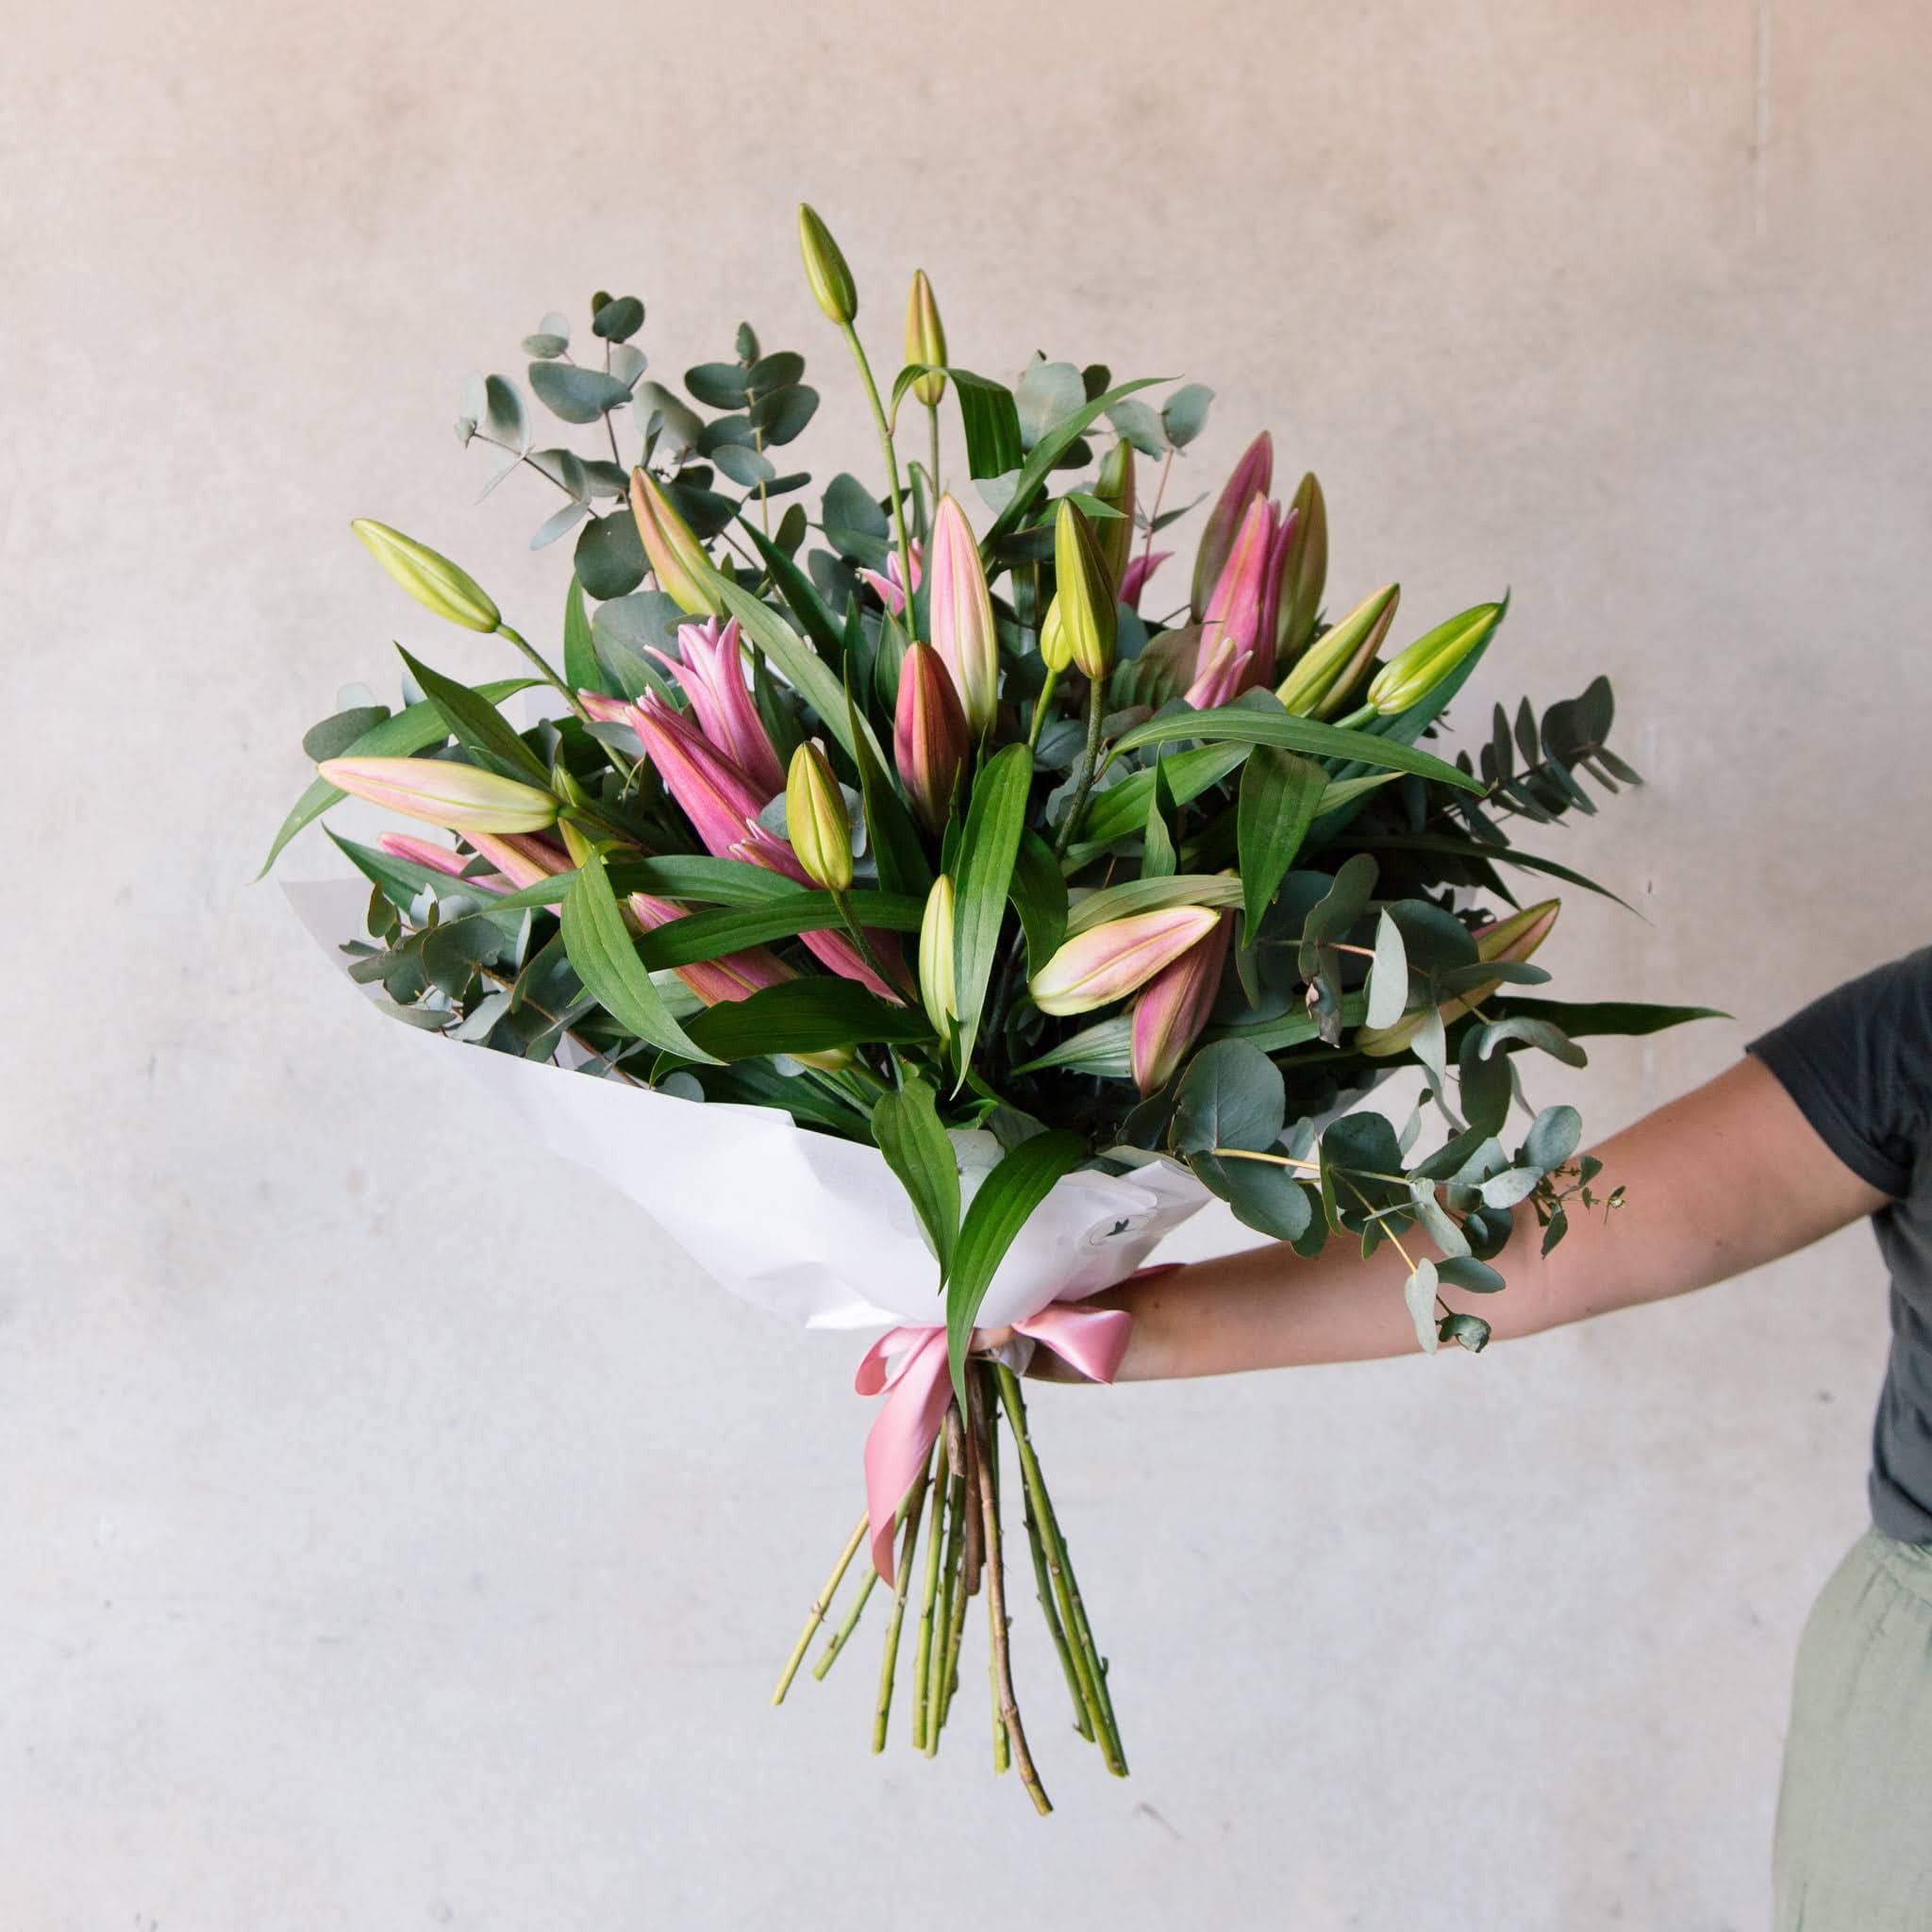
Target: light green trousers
1853,1850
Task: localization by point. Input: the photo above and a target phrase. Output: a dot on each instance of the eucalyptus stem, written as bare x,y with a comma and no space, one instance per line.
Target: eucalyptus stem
1011,1737
1040,705
544,669
1090,759
923,1715
889,1662
1088,1666
817,1613
892,454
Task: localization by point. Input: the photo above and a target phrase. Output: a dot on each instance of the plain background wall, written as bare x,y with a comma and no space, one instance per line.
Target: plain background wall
392,1532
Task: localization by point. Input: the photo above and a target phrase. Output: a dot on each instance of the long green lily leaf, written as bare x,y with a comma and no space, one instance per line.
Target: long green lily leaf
805,1016
801,667
995,820
1049,450
907,1126
801,596
709,935
1106,1048
603,957
1585,1019
1450,847
476,724
1247,725
1280,794
408,732
1152,895
1005,1199
1039,897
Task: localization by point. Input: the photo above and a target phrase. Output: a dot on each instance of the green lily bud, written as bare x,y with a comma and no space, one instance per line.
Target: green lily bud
925,338
937,992
1327,674
461,798
815,820
832,287
433,580
1409,677
1084,590
1055,646
1303,572
1116,489
678,561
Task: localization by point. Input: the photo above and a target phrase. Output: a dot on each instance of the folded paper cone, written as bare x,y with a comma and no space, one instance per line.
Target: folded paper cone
835,1242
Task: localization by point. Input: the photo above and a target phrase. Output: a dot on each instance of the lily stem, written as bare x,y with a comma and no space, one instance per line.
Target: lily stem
1090,759
544,669
891,453
817,1613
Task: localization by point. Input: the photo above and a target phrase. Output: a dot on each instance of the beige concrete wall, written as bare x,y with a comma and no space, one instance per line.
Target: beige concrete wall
365,1567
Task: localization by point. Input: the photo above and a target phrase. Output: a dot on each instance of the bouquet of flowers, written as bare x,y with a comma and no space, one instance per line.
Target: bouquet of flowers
994,924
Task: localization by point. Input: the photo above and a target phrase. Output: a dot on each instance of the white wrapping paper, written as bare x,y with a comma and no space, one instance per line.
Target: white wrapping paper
810,1227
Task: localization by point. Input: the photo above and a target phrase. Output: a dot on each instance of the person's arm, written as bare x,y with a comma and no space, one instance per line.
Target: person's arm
1729,1178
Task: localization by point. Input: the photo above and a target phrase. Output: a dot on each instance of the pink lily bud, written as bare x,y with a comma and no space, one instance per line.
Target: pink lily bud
1513,938
961,616
1251,477
1174,1008
422,851
460,798
607,710
678,561
929,741
715,793
1134,578
1111,961
833,950
522,859
1230,657
890,587
711,671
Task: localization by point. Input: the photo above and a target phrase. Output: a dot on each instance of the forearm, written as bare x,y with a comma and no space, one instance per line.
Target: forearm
1715,1183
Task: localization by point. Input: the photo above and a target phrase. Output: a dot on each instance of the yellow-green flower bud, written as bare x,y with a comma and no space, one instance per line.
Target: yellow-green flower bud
1084,591
925,338
831,282
441,792
1055,646
678,561
935,981
1411,676
433,580
1327,674
1304,570
1116,489
815,820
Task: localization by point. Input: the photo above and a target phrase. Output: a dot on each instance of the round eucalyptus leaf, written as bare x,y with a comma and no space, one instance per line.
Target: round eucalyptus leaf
1471,1331
717,384
1135,423
552,337
677,423
723,429
605,479
577,395
565,468
1512,1185
705,510
1466,1272
1230,1096
611,556
1185,413
1553,1137
783,414
503,414
627,363
746,343
333,736
1265,1197
744,465
777,370
560,524
618,321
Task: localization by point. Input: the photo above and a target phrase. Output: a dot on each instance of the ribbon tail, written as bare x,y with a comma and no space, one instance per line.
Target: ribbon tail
1094,1340
901,1439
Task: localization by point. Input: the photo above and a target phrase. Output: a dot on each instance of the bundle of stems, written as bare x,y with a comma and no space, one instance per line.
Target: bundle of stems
956,1500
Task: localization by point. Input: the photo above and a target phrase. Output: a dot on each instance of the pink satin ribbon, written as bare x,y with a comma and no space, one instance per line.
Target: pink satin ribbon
1093,1339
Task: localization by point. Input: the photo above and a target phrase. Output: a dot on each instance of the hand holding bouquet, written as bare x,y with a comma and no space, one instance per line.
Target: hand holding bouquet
930,846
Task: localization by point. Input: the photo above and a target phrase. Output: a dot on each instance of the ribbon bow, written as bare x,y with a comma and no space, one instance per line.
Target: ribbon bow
1091,1339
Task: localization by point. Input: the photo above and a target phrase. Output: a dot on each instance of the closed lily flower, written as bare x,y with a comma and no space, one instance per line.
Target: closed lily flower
930,737
1115,487
1303,572
887,585
826,273
1175,1004
678,561
431,578
937,986
1513,938
1414,673
926,339
731,975
714,792
460,798
1253,477
424,852
1325,675
1111,961
1083,593
1233,653
817,822
710,669
522,858
960,616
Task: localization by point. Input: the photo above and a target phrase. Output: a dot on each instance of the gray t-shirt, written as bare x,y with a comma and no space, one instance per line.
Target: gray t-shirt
1859,1063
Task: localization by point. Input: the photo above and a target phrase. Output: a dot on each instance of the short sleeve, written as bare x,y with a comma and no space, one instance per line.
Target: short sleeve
1859,1064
